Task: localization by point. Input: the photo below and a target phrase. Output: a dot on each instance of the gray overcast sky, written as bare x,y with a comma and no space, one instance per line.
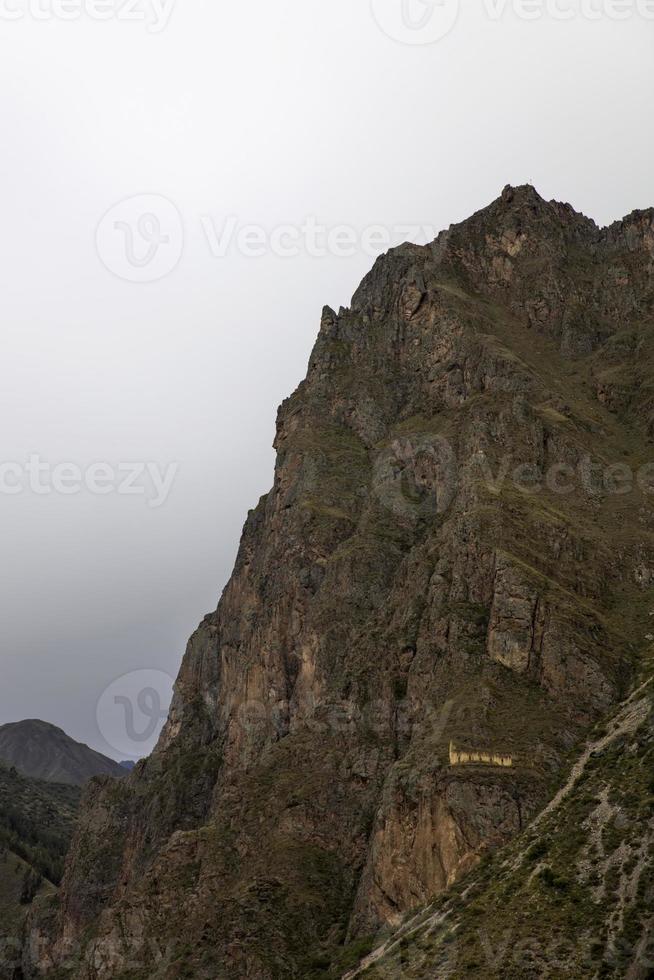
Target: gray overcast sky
268,113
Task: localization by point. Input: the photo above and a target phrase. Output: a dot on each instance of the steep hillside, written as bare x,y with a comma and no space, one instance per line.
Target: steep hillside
44,751
36,820
36,826
19,885
573,898
448,585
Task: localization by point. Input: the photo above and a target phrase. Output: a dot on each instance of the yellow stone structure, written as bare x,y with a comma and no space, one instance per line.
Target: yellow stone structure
459,757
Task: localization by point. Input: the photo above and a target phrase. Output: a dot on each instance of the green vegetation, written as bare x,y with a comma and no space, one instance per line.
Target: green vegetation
572,898
36,826
36,821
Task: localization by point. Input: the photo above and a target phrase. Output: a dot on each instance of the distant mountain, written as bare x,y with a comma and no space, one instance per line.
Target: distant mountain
128,764
43,751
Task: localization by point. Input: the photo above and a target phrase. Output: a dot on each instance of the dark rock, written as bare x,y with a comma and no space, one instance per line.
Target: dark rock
396,593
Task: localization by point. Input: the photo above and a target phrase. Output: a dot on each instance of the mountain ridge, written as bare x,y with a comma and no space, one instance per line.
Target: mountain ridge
416,578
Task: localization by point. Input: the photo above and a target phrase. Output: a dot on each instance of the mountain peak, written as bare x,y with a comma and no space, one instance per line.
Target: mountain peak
43,751
425,617
521,192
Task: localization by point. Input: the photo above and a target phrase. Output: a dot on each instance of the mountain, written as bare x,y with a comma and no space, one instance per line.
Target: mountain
449,585
42,751
572,898
36,826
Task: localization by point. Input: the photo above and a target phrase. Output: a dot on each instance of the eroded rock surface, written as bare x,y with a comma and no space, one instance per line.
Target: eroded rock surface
439,560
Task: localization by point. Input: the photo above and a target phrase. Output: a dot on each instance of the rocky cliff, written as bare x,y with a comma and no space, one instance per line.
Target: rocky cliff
458,549
572,898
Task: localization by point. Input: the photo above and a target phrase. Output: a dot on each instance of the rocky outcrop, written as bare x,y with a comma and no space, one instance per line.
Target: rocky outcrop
572,897
441,559
515,629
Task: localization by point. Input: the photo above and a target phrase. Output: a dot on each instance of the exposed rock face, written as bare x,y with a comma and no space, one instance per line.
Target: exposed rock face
514,632
572,898
441,558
